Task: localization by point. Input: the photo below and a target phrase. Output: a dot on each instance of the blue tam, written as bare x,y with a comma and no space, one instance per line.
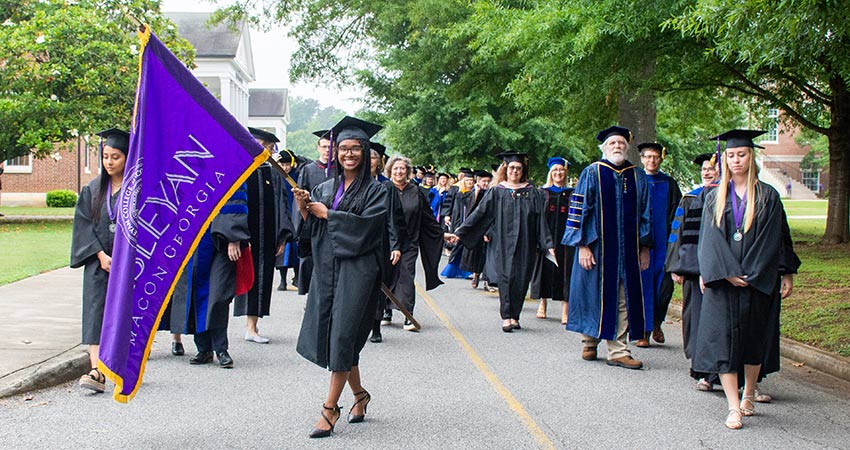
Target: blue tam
557,160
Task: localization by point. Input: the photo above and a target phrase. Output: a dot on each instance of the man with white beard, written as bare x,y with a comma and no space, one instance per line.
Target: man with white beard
609,224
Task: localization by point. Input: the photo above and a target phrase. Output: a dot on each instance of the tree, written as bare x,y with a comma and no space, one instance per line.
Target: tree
793,55
70,68
307,117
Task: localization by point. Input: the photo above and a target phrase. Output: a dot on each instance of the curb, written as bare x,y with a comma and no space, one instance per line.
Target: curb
56,370
35,219
826,362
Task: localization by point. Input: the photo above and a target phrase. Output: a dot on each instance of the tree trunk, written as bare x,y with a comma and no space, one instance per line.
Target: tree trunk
838,213
636,111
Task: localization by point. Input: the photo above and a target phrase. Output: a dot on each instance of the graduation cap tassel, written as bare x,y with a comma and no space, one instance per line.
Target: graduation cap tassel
330,155
717,156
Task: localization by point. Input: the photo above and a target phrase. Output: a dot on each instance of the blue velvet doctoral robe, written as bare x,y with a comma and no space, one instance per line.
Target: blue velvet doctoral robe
609,212
202,295
664,196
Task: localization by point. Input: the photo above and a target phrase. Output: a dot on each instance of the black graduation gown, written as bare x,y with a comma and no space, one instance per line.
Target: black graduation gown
87,239
269,226
289,256
461,208
202,295
518,232
395,239
741,325
310,176
471,260
346,250
548,281
682,260
423,235
448,202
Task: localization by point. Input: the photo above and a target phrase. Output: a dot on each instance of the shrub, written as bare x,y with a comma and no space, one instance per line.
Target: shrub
61,198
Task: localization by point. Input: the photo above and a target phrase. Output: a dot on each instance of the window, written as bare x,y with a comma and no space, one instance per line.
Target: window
87,151
811,179
20,164
773,127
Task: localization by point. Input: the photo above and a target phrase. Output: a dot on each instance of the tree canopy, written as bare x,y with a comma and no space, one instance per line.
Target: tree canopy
70,68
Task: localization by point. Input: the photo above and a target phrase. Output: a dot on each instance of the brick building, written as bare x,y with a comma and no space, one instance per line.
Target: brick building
26,180
780,162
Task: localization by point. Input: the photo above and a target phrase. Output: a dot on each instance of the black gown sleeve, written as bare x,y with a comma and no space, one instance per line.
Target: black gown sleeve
478,222
789,262
84,241
231,223
430,243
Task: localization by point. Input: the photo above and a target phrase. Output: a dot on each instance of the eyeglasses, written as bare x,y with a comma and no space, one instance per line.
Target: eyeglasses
515,168
355,149
653,157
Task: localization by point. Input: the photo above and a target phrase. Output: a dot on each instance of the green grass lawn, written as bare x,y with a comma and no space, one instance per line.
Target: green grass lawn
32,248
818,311
35,211
805,207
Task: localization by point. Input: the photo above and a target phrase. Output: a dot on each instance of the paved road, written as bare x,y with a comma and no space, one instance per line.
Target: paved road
459,384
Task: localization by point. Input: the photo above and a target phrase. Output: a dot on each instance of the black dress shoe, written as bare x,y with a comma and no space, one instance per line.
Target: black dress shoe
508,328
201,358
320,433
177,349
281,287
361,397
376,338
224,360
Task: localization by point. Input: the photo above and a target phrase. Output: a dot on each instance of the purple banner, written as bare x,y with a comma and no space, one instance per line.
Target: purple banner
187,155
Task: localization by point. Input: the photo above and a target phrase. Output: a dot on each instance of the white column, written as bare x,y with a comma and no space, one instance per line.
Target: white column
226,92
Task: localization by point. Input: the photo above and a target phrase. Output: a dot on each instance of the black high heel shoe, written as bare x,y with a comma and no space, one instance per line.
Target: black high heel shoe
365,398
320,433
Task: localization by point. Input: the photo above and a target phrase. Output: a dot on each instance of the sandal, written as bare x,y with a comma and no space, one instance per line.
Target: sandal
365,399
761,397
475,281
320,433
94,381
747,411
541,310
734,420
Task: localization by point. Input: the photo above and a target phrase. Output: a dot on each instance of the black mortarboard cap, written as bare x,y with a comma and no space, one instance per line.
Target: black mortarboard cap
354,128
512,156
614,130
321,134
466,171
286,156
380,148
117,139
662,150
263,134
740,138
483,173
703,158
441,174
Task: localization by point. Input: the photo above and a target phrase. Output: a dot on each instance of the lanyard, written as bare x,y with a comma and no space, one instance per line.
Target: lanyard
738,209
109,209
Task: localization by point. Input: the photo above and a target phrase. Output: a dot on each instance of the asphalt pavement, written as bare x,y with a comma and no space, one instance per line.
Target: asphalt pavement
459,383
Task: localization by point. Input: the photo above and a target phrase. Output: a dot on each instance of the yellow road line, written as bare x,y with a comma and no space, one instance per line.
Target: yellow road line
491,377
